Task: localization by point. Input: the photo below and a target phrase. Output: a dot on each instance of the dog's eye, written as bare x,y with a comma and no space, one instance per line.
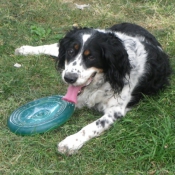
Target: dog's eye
90,57
71,52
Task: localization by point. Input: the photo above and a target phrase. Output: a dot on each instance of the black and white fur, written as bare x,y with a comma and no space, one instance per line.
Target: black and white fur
116,66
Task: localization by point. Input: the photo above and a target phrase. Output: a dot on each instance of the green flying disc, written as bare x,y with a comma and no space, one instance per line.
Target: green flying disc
40,115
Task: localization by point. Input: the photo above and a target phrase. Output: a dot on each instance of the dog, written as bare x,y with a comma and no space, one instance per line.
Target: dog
109,70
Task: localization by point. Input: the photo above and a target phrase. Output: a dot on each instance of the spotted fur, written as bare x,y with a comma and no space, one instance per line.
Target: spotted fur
117,65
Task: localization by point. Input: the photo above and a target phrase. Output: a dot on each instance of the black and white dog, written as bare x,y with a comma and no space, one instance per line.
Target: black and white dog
108,70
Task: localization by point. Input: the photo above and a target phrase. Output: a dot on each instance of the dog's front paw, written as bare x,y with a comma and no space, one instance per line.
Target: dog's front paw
70,145
24,50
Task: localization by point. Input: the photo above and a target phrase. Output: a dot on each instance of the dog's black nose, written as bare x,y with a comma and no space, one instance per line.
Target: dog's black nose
71,77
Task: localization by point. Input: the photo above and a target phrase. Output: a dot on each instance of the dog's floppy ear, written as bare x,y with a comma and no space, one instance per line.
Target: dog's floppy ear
117,64
63,46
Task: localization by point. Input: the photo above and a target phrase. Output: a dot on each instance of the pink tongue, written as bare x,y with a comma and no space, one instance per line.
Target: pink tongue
72,93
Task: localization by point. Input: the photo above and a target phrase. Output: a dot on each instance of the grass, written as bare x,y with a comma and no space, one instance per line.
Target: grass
142,143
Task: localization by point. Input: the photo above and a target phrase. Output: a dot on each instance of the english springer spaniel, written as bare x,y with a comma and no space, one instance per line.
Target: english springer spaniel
109,70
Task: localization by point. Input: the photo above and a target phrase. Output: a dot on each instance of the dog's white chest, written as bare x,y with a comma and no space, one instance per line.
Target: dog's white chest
95,97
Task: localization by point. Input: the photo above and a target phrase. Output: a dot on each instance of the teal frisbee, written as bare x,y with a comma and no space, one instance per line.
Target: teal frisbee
40,115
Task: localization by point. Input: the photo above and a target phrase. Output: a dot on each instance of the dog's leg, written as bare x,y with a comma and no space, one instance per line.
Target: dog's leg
115,109
73,143
52,49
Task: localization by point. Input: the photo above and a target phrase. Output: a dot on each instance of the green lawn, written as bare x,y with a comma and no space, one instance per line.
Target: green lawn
142,143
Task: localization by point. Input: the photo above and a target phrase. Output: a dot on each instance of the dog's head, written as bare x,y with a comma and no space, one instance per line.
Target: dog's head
84,53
